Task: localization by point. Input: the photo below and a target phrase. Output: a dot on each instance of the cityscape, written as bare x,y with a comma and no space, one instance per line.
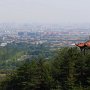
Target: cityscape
44,44
52,34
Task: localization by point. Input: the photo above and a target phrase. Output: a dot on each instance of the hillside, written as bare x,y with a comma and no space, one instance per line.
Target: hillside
68,69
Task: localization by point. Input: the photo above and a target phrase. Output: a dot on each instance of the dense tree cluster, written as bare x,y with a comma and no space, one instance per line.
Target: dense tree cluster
69,69
10,55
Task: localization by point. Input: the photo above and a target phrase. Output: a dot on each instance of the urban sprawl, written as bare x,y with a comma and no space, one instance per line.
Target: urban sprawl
49,34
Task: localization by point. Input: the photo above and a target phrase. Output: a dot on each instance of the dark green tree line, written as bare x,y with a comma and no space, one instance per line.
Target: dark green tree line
68,70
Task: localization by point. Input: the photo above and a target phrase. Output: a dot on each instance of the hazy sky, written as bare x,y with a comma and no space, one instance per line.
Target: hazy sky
46,11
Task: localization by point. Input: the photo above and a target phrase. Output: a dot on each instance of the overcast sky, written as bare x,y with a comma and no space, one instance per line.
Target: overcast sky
45,11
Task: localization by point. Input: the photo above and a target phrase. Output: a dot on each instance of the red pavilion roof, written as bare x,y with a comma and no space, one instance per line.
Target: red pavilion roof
86,44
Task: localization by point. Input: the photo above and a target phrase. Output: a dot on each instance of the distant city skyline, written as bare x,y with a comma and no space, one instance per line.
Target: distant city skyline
45,11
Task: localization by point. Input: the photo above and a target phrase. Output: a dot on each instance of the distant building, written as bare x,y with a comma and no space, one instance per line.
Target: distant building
3,44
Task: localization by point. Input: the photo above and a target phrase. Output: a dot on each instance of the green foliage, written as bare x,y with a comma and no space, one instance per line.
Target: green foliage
71,69
68,70
11,54
31,76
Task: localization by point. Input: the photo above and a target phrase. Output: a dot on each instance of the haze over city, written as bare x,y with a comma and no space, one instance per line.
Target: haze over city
44,44
45,11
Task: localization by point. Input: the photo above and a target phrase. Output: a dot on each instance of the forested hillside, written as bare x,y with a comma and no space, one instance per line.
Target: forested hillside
15,53
68,69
